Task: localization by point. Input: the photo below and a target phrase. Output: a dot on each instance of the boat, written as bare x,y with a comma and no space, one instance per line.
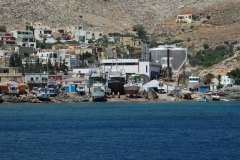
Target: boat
193,83
215,97
131,88
97,91
116,78
96,75
1,99
52,92
52,86
96,82
202,99
43,94
80,89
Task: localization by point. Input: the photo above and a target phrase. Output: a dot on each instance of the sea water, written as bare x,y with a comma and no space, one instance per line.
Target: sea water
144,130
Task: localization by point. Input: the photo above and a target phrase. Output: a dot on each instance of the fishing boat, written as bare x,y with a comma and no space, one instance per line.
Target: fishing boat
97,91
52,87
116,78
96,81
43,94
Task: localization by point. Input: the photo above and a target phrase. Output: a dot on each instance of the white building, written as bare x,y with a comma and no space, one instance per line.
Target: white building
134,66
185,17
85,35
46,56
226,81
70,57
24,38
42,31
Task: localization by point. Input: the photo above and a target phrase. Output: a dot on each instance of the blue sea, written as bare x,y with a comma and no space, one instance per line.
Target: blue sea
128,130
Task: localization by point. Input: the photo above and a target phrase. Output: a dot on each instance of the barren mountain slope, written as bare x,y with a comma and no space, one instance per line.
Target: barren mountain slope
108,15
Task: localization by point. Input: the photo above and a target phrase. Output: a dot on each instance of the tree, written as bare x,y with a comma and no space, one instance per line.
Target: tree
50,67
207,79
12,61
58,38
63,67
219,78
3,29
30,28
140,31
205,46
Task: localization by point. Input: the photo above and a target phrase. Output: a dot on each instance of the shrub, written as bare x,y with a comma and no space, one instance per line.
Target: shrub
208,16
205,46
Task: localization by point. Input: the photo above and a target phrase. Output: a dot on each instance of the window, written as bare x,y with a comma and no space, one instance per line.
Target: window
146,69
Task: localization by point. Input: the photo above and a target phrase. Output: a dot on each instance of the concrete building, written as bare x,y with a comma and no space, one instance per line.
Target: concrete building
185,17
227,82
85,35
24,38
134,66
43,31
10,73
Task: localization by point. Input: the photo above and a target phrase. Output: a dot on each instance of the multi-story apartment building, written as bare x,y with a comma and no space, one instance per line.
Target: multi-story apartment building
85,35
43,32
24,38
8,40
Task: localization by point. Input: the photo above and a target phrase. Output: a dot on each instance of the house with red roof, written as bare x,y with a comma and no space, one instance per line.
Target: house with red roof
185,17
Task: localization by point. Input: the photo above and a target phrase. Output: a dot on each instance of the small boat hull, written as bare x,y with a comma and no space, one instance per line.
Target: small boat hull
131,89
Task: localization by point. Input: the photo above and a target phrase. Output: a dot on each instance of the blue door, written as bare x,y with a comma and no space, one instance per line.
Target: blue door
66,89
73,87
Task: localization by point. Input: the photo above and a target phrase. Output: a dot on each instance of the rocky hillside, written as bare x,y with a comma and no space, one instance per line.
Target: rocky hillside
108,15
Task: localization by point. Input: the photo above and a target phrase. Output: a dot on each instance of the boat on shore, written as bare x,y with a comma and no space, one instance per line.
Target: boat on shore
131,88
116,78
97,91
43,94
203,99
80,89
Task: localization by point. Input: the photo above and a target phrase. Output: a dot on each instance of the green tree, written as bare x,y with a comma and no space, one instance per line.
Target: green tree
30,28
205,46
91,41
207,79
12,61
50,67
63,67
58,38
140,31
3,29
208,16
